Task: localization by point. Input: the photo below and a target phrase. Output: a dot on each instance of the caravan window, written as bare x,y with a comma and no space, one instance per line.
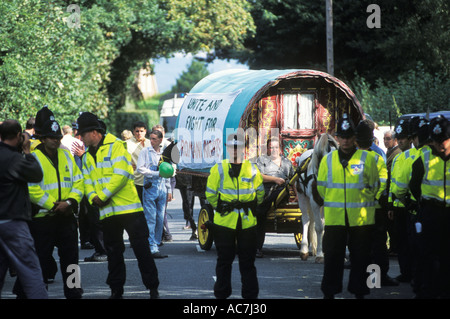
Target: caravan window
298,111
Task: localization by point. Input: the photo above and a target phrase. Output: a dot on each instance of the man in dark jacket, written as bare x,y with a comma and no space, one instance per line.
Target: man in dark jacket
17,168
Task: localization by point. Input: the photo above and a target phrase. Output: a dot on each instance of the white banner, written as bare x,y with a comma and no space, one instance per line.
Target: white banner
200,128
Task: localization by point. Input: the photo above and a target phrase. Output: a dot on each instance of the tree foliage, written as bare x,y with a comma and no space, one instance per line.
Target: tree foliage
196,71
402,66
45,61
415,91
292,34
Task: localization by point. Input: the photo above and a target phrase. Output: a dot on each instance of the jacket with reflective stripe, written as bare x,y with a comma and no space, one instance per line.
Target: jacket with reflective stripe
351,189
247,187
382,175
111,178
58,184
401,175
436,179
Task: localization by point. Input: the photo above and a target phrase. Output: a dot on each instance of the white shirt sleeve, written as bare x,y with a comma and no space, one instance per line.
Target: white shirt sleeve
143,164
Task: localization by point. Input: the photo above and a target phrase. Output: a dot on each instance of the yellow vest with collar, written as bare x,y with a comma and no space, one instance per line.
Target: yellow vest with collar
110,177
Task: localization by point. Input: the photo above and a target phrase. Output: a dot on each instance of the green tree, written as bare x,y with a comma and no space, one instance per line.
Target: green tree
196,71
44,60
167,26
415,91
292,34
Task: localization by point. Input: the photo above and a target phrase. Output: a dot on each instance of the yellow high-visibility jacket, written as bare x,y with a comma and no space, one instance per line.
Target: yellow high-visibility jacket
351,189
382,174
59,183
401,187
110,177
401,175
247,187
436,179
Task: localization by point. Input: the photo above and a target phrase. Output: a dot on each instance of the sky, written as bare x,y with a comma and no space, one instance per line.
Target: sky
168,71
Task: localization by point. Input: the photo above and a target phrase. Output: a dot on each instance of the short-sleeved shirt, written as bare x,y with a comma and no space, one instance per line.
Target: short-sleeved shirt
267,167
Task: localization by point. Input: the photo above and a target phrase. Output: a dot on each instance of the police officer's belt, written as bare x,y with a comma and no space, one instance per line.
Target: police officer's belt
224,207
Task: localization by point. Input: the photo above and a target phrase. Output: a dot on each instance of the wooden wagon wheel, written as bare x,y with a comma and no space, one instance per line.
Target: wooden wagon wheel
205,238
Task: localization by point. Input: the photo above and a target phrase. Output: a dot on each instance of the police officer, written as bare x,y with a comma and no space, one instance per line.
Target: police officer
234,189
402,216
364,139
429,183
109,185
419,135
348,182
56,198
42,116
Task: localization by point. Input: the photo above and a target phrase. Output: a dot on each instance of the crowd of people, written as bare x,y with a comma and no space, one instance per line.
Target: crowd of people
61,186
80,184
408,199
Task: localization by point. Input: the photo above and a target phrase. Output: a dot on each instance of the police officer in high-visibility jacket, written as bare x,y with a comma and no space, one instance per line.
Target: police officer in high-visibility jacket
348,182
403,217
234,189
109,185
410,248
430,184
380,255
56,199
42,116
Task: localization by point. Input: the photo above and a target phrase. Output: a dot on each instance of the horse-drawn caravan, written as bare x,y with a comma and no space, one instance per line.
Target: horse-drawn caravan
296,105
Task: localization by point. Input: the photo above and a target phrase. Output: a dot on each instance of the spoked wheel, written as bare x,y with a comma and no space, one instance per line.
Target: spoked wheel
205,238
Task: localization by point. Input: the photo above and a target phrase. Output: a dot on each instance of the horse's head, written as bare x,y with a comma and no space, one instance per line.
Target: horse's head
171,154
323,146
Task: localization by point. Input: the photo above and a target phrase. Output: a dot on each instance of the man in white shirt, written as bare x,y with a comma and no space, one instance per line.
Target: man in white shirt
157,191
137,143
68,141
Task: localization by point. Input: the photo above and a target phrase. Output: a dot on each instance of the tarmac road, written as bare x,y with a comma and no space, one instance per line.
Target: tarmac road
188,273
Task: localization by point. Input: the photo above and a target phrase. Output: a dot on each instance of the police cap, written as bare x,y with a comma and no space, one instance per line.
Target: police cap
42,116
52,129
439,129
89,122
402,129
345,127
418,126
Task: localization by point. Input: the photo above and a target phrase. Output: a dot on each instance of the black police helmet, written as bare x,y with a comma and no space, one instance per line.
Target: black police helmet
52,129
439,129
345,127
42,116
402,129
88,122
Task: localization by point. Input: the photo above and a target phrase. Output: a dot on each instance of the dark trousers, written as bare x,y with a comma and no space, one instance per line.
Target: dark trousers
335,240
403,222
434,265
136,227
95,229
261,215
380,254
140,190
57,231
228,242
17,250
83,222
188,200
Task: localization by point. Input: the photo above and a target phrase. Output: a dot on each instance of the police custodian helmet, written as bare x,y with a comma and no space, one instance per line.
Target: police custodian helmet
439,129
345,127
88,122
402,129
52,129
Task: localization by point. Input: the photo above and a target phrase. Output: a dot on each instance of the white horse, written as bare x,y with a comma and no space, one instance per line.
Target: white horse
312,212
